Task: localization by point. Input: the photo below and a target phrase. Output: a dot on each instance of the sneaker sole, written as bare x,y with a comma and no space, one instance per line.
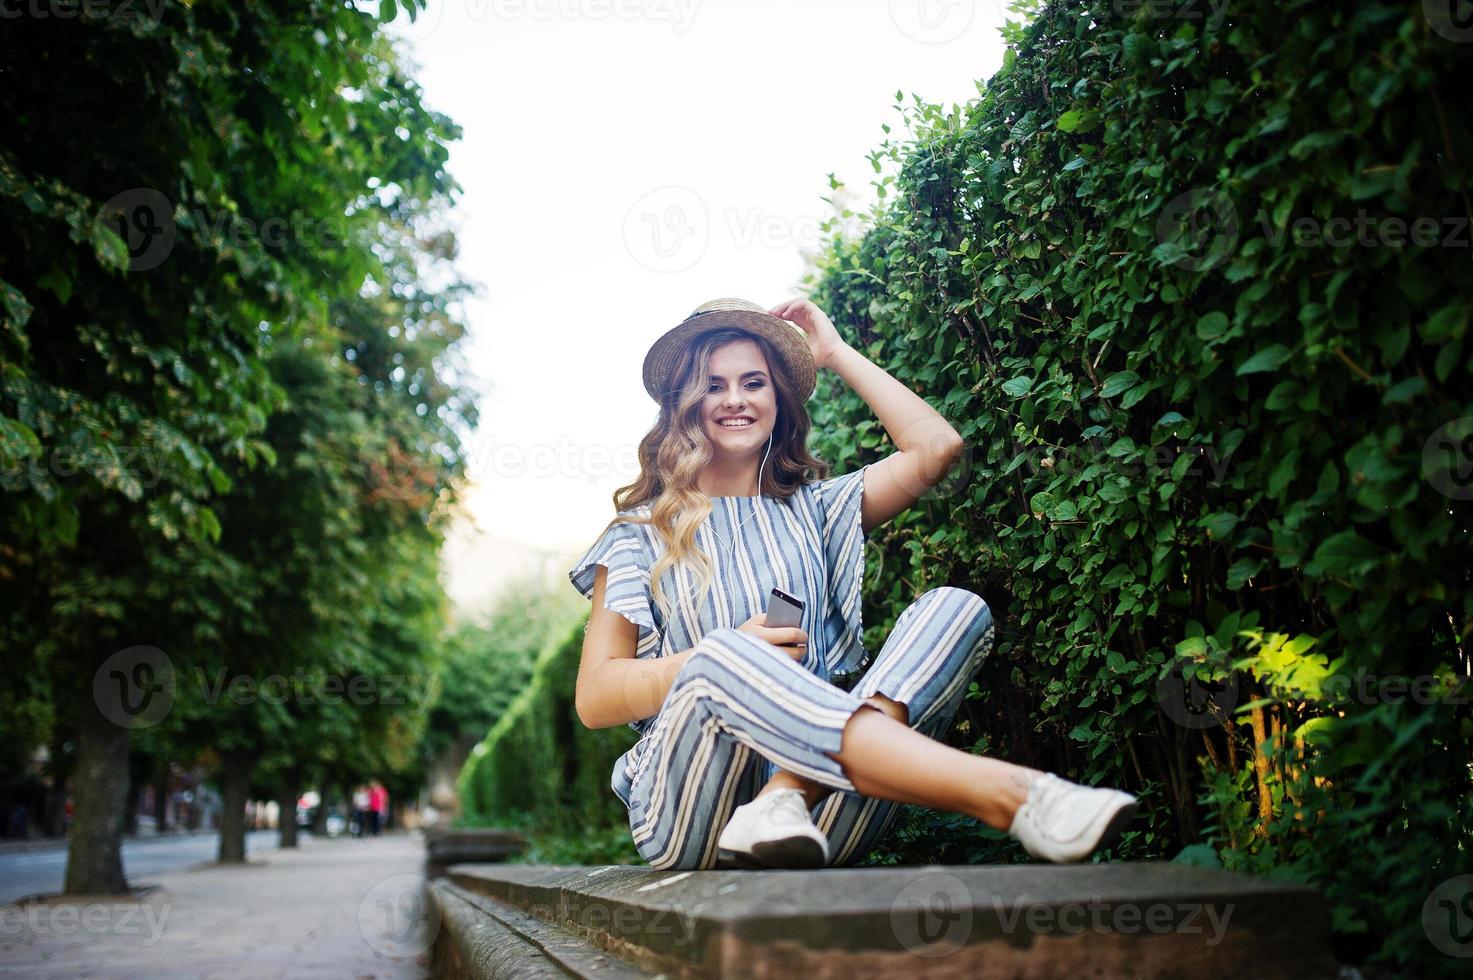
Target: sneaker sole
1114,829
789,853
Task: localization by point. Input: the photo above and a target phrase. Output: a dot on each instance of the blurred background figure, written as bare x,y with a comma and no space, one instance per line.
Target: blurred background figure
378,806
360,811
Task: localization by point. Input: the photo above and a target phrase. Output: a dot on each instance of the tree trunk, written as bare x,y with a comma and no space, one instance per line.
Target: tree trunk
100,791
161,800
319,818
130,808
235,787
53,822
286,805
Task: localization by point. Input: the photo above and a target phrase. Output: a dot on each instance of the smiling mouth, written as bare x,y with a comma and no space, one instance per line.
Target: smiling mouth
736,424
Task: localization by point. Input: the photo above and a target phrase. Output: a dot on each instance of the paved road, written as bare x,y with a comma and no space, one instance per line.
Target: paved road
335,908
42,872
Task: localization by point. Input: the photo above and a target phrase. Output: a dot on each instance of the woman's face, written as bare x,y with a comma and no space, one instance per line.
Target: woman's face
739,386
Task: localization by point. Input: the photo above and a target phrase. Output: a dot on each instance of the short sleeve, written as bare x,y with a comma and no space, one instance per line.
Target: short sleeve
840,502
627,588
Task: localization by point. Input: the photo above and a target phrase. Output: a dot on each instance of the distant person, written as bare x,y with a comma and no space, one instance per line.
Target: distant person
378,806
747,730
360,811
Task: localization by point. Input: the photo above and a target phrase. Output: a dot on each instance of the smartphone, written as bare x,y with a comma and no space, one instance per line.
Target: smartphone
783,610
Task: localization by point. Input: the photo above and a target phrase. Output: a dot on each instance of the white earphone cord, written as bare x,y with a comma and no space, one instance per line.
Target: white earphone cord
756,501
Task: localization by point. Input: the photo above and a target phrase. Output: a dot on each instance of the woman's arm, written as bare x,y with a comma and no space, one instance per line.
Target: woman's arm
614,687
927,445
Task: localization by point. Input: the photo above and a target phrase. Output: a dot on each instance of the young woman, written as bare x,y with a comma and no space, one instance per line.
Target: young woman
743,732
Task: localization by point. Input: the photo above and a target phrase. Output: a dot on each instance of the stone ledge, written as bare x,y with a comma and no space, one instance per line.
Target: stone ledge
1143,920
446,847
481,938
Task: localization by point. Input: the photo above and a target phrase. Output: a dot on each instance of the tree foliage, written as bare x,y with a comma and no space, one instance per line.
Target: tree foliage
1162,278
230,404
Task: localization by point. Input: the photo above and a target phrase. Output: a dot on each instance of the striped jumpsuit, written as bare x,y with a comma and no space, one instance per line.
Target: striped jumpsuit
741,708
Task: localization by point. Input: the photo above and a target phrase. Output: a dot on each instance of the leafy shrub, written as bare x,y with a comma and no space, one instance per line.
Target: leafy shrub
1202,418
541,770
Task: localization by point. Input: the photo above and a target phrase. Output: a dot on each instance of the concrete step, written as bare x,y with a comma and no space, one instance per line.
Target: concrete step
1100,920
446,847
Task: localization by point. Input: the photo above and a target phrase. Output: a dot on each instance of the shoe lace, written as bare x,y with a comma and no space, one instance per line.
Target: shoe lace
1044,793
790,807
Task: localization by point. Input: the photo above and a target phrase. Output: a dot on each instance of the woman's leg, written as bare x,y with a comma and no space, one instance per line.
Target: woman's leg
736,701
736,688
918,679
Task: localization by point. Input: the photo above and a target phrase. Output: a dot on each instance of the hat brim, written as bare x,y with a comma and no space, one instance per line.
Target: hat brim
788,339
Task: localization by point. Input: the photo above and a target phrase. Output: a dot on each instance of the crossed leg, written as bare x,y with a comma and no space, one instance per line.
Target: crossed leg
918,679
740,709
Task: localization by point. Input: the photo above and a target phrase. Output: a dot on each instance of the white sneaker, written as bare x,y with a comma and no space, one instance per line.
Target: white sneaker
775,830
1061,821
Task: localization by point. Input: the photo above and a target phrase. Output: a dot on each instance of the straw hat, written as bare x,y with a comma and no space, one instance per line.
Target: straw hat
787,339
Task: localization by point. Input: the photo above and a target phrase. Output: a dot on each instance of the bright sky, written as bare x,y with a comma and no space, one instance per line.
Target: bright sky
624,161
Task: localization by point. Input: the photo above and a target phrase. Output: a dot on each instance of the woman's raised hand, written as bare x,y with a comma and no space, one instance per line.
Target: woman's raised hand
790,639
823,340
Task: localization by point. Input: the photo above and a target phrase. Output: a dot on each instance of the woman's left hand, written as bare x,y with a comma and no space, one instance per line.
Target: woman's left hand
823,340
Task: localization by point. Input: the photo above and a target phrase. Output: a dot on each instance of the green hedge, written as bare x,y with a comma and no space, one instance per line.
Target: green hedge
540,769
1210,428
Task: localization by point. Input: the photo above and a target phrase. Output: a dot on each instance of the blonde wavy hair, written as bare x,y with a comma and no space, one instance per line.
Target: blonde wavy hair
674,452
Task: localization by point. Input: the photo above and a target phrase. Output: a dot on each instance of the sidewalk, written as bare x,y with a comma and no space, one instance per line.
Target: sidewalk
60,843
335,908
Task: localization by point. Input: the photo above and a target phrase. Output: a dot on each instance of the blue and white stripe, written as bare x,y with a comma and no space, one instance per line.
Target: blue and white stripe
741,708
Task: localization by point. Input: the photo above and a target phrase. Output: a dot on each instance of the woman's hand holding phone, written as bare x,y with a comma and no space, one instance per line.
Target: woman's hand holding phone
792,640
